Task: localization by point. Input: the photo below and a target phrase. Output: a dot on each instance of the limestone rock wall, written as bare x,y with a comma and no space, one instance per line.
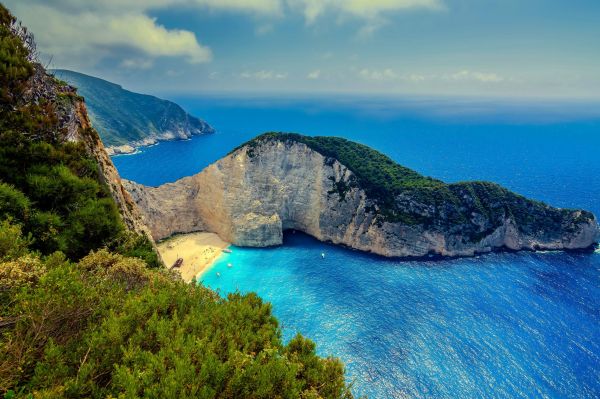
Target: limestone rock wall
252,195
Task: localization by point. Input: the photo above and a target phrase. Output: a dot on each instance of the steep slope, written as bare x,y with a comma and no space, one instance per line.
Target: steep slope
126,119
83,314
74,126
49,157
347,193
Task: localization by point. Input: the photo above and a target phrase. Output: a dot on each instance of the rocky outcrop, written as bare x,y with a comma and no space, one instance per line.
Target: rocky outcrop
74,126
270,185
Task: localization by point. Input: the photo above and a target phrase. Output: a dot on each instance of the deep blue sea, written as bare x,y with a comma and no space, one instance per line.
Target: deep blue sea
510,325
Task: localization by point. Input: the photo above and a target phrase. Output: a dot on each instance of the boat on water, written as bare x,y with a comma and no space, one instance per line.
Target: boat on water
227,250
323,255
229,265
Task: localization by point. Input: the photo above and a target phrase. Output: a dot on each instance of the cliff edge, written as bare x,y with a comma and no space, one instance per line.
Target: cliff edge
346,193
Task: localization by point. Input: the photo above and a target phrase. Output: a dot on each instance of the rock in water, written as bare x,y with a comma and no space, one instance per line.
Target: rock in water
346,193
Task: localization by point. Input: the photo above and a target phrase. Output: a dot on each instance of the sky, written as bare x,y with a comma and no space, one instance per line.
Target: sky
485,48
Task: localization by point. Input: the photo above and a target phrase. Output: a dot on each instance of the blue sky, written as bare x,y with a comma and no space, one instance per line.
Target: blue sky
507,48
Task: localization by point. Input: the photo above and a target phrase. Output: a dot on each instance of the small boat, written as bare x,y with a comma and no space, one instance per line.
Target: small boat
227,251
229,265
218,274
323,255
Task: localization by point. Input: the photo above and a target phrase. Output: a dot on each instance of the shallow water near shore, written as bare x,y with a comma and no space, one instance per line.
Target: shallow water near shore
501,325
505,325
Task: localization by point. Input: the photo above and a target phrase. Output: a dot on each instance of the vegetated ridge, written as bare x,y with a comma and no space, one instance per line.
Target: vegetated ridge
126,120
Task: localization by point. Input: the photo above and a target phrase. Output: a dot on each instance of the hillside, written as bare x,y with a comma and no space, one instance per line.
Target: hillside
87,309
126,119
347,193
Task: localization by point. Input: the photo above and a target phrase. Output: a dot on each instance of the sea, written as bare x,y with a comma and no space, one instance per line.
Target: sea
503,325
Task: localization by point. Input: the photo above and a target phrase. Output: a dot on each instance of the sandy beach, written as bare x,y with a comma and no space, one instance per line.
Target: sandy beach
198,251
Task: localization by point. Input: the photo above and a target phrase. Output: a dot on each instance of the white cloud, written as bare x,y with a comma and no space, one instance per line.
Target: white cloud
263,75
314,75
416,78
484,77
378,75
376,7
85,31
136,63
366,9
256,6
140,6
463,76
264,29
87,36
143,33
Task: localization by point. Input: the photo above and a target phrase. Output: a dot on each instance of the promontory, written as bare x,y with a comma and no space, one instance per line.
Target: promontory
346,193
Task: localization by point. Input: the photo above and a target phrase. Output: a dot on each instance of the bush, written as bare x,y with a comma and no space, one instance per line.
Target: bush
109,327
13,203
12,243
138,246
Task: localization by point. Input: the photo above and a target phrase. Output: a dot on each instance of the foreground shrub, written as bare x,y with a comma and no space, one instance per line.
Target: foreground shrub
110,327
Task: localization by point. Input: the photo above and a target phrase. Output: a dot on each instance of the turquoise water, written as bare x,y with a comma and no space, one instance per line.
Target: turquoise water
497,326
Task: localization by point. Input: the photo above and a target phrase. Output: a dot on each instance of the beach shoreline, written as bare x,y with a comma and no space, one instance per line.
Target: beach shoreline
198,250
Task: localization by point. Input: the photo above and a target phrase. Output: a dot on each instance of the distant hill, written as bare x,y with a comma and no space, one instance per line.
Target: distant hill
125,119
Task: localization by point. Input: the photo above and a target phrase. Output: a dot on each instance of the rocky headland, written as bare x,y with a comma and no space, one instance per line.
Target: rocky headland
346,193
127,120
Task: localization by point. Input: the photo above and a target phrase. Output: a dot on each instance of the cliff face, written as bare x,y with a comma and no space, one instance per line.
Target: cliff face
252,195
126,120
74,126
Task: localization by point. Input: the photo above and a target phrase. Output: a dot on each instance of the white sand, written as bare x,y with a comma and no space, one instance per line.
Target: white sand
198,251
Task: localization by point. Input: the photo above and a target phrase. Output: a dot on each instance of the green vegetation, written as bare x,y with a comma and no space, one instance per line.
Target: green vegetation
122,116
100,324
109,327
50,186
402,195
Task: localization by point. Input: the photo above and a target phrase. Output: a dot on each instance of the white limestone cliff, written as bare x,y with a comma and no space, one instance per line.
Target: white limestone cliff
251,196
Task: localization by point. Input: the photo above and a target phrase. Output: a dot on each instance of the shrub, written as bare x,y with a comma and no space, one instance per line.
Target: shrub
12,243
109,327
13,203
